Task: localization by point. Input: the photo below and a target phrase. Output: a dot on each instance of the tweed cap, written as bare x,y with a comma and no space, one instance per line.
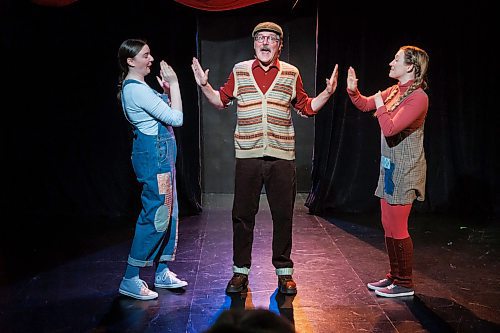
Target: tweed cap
268,26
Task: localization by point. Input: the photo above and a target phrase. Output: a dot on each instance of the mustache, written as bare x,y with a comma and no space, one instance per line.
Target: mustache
265,48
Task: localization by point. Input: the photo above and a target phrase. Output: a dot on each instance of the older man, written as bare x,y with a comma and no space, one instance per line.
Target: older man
265,90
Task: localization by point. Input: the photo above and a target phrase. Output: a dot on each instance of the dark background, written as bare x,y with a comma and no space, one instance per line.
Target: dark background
68,144
224,41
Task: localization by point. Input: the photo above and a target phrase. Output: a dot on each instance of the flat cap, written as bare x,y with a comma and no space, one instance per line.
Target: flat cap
268,26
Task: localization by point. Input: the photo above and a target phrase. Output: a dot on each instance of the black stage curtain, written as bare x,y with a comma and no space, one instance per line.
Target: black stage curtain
462,122
68,142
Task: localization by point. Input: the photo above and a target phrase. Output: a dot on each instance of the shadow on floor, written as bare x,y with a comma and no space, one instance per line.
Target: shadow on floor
62,275
456,267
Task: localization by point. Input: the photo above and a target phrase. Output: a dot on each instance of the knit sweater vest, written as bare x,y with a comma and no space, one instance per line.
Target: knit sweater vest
264,124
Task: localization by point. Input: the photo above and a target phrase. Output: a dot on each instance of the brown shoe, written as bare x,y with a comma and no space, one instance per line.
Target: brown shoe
286,285
237,284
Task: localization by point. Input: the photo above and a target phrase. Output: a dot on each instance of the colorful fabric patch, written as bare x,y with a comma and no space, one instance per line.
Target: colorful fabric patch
163,182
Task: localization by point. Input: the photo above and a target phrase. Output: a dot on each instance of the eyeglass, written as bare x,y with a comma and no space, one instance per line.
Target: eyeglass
271,39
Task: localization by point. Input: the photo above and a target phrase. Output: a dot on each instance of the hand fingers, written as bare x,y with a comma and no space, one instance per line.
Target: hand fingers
352,73
334,73
165,66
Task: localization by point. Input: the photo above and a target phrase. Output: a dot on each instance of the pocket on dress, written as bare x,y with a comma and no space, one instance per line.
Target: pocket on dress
388,179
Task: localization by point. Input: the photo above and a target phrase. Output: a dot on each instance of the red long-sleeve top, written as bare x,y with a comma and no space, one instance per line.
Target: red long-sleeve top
407,117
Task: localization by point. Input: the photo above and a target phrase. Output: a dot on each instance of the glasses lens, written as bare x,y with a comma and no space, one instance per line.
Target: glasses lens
270,39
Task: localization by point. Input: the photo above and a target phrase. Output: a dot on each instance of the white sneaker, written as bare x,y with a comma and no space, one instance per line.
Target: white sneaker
136,288
168,279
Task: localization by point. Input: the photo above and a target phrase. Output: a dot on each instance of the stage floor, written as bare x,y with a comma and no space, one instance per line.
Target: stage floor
63,275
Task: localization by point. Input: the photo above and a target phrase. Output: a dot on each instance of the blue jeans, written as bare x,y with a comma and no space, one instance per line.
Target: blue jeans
153,160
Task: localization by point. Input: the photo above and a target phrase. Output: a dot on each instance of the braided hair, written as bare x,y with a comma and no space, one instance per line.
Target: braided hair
420,60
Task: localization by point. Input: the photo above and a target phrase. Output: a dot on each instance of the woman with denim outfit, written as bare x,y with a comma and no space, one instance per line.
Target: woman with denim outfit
401,111
154,151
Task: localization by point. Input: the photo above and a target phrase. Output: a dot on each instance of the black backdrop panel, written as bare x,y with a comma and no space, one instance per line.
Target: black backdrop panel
460,130
68,145
225,39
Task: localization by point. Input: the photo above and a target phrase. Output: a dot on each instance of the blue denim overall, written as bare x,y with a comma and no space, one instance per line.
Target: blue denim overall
153,160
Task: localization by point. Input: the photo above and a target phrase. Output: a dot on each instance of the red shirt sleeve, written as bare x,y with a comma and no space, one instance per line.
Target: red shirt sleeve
361,102
302,102
410,115
226,91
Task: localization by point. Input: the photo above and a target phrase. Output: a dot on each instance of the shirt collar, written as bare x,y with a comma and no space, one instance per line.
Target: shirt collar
405,85
276,64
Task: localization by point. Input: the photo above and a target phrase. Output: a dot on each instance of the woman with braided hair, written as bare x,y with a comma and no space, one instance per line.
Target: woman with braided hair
400,110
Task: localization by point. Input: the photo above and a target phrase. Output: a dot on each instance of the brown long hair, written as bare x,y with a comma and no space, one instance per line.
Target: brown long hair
128,49
420,60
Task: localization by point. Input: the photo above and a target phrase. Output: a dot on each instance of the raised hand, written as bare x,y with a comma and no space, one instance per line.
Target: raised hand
200,75
167,74
331,83
352,81
170,85
164,84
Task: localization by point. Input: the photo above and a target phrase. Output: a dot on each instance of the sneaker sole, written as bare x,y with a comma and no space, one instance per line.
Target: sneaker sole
140,297
371,287
409,293
171,286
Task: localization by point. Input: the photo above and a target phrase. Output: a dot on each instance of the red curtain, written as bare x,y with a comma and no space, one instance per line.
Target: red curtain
210,5
53,3
218,5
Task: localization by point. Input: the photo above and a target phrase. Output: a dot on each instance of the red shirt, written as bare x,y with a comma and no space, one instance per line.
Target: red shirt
264,79
407,117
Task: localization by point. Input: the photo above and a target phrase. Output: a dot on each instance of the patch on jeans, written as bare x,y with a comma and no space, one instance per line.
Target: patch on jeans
162,218
164,182
164,212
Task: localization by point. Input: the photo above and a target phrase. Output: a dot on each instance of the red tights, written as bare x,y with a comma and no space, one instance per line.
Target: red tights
395,219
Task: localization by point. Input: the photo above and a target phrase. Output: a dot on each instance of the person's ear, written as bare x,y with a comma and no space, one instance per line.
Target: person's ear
410,68
130,62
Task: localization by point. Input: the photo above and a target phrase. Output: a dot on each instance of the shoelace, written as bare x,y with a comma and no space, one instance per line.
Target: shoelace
168,273
141,283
